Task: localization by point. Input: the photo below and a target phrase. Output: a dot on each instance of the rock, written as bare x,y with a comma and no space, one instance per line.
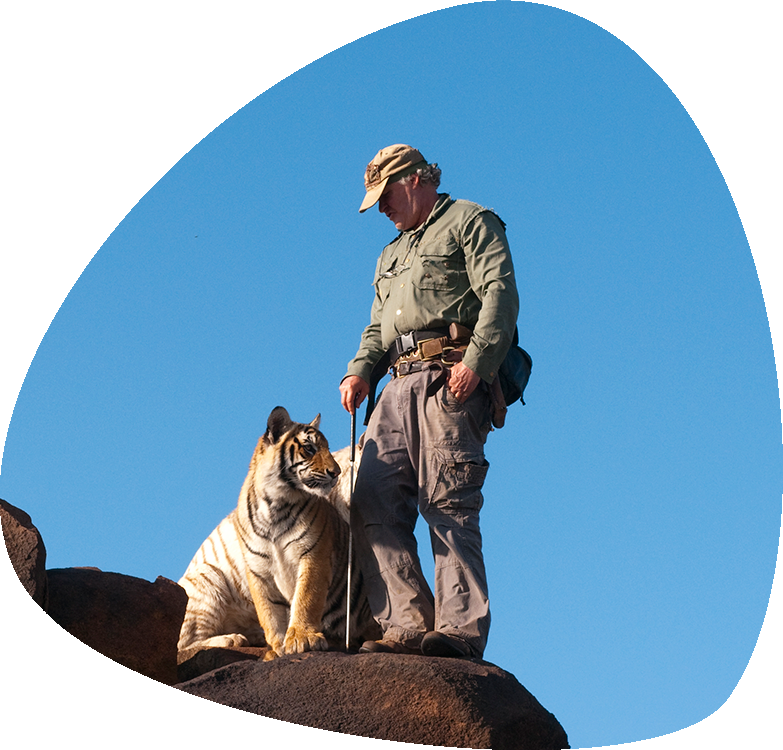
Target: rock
57,708
23,594
196,661
130,620
415,699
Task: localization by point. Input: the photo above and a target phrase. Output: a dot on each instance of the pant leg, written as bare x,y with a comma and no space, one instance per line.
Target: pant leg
425,451
383,516
452,470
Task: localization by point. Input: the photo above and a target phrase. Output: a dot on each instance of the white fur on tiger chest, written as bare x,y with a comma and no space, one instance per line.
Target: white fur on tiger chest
278,553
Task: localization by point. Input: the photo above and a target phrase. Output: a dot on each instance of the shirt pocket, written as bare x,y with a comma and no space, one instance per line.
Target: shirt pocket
439,265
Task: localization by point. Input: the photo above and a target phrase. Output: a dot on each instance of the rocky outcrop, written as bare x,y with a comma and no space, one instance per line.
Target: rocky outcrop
75,622
416,699
130,620
195,661
57,708
23,593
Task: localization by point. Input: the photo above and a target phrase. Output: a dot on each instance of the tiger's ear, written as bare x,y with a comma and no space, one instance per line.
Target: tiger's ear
316,422
277,425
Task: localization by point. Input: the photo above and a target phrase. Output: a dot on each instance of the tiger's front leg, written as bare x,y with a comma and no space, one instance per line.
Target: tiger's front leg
307,609
272,612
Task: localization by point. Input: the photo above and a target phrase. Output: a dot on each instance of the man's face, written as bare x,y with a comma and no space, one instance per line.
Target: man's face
399,203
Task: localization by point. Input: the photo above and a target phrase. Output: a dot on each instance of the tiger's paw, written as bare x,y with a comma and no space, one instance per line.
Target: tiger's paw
299,639
228,640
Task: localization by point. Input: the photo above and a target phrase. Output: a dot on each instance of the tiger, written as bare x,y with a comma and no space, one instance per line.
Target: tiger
274,571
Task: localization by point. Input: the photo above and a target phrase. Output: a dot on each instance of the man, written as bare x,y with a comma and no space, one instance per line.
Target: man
424,445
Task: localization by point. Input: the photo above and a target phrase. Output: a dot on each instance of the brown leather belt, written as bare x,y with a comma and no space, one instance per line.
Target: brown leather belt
430,356
406,368
425,346
413,341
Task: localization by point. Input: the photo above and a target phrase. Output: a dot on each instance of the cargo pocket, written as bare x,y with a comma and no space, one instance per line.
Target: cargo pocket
459,479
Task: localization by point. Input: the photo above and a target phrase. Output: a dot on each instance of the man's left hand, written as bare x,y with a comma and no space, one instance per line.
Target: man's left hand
462,381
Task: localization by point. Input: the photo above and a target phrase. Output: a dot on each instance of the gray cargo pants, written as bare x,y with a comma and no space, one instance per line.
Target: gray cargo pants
427,454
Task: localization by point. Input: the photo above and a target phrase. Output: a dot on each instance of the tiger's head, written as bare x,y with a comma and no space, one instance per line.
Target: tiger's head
301,452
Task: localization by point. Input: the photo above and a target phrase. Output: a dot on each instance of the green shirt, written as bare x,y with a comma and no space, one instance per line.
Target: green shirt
455,268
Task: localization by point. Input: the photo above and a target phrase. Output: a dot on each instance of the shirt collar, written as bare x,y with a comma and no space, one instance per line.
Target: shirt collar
443,202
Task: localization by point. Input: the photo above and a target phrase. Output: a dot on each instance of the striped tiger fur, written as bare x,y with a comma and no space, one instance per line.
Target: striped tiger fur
275,569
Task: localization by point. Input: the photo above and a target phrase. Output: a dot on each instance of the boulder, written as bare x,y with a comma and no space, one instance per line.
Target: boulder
130,620
415,699
57,708
23,594
195,661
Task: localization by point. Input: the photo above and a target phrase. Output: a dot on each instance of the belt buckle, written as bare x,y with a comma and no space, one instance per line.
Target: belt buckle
407,366
406,342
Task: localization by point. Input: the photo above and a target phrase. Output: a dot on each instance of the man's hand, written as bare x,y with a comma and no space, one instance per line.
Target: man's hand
353,390
462,381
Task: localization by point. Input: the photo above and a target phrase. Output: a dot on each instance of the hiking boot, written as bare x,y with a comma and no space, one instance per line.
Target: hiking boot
387,647
440,644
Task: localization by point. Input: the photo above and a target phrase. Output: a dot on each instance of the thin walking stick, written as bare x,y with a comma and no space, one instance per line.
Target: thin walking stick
350,533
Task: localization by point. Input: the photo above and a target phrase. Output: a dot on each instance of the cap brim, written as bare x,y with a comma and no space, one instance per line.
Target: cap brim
373,195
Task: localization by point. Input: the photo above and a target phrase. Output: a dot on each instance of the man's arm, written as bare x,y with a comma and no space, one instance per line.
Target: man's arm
491,274
355,385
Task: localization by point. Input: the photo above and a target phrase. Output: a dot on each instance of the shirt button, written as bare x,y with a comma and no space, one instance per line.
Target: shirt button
399,312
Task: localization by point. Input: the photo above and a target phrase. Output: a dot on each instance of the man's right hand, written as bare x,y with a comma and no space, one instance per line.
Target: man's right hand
353,390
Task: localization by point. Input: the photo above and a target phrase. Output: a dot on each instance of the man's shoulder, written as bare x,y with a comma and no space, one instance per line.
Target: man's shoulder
466,205
464,211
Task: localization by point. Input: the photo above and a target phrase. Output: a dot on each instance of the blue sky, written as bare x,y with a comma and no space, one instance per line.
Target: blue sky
632,510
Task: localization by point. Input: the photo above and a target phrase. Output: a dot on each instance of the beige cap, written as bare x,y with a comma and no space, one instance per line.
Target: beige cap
391,162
